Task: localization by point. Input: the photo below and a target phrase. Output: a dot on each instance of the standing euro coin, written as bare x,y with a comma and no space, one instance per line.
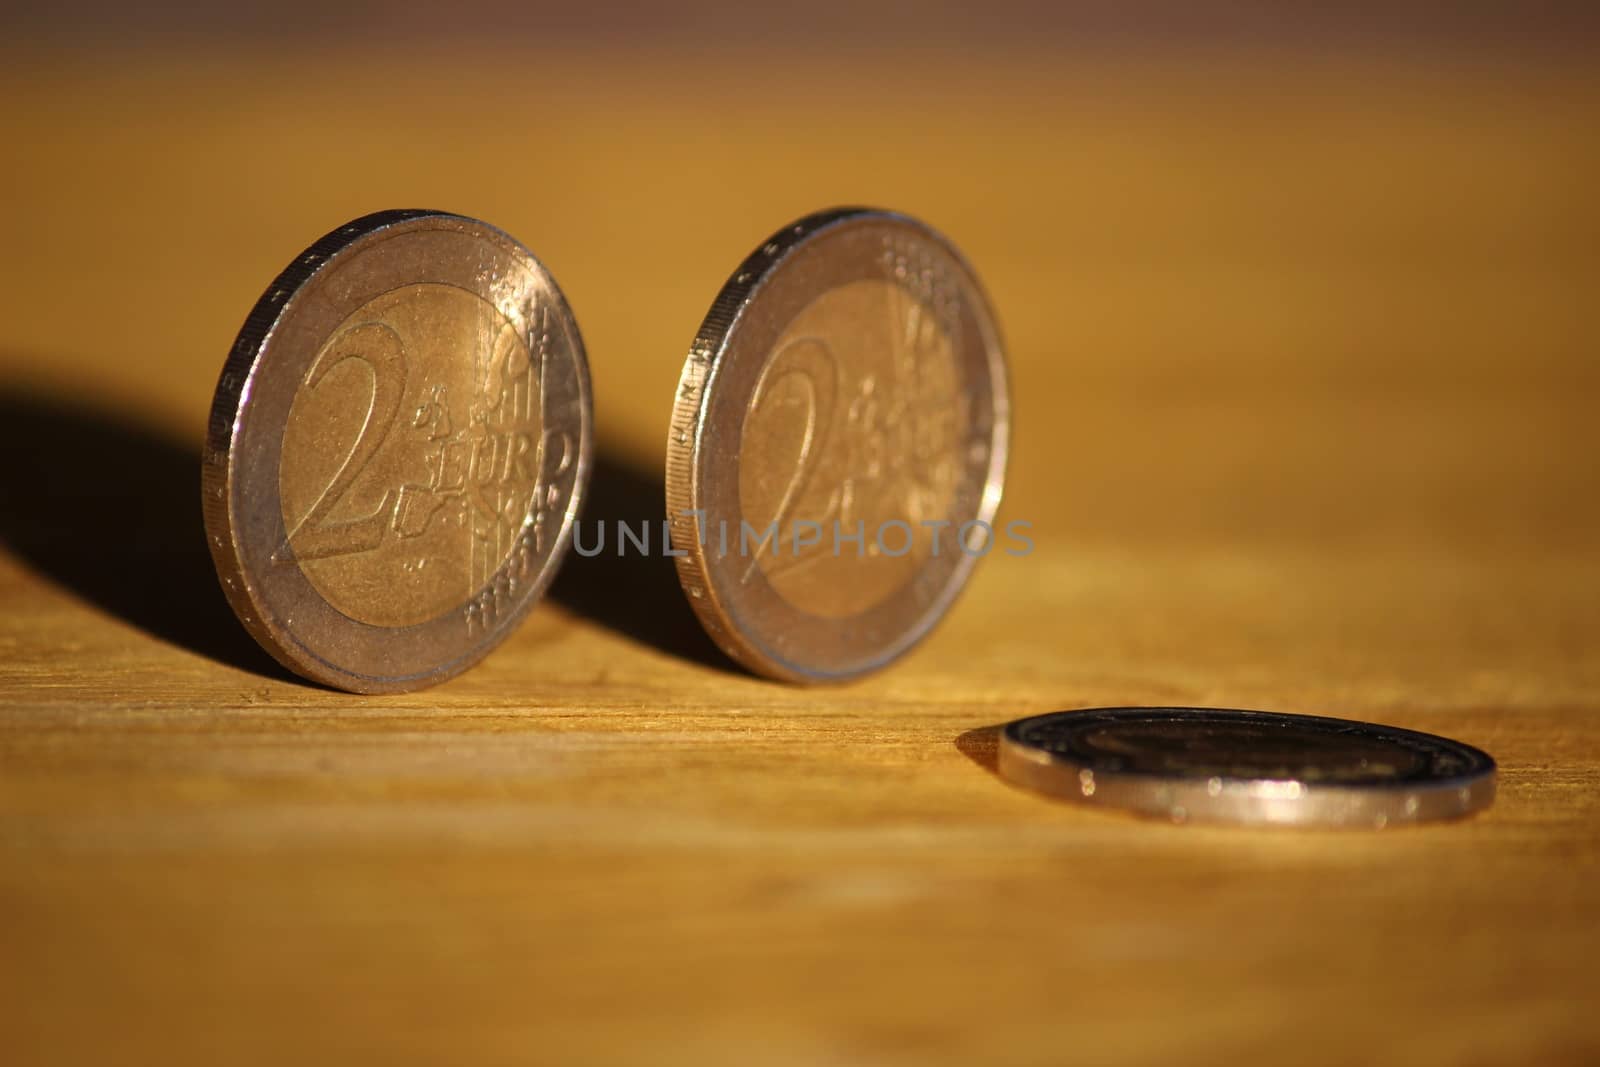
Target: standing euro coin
838,446
397,450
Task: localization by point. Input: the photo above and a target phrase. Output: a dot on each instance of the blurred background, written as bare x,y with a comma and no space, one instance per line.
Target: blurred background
1309,270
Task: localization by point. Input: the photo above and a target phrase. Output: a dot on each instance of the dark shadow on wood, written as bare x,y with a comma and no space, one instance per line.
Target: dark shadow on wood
982,746
109,509
633,594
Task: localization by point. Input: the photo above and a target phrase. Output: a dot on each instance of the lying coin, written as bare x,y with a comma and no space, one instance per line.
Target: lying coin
397,449
838,446
1205,764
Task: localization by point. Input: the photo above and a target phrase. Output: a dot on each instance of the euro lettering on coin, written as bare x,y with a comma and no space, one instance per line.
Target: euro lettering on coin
1254,767
397,450
838,446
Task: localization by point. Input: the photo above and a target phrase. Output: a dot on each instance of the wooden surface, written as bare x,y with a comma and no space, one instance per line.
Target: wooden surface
1304,347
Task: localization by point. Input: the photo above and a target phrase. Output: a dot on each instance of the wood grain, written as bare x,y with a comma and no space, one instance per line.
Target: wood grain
1304,348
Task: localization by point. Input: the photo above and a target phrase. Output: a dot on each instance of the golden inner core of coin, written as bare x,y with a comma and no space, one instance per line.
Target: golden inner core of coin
856,425
410,459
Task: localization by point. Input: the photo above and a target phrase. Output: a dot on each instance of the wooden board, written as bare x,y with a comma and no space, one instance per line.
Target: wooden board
1304,350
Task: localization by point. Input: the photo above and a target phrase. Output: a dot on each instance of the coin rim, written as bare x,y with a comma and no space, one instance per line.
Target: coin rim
1242,801
690,416
229,409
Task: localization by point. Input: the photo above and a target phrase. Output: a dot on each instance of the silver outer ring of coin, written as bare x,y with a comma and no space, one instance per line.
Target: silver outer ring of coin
300,630
691,481
1040,753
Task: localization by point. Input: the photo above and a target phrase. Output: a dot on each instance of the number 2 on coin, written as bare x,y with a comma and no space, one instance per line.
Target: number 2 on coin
814,367
314,537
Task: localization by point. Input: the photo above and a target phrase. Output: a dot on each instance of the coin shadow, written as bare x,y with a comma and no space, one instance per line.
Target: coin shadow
630,593
109,509
982,746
